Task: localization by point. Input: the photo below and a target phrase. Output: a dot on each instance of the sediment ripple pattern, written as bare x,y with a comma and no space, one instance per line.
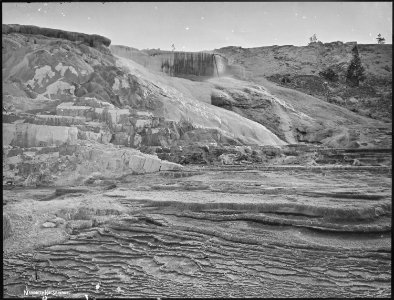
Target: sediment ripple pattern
141,259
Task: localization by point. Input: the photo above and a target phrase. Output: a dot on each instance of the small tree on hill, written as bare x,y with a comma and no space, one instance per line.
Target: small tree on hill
380,39
355,71
313,39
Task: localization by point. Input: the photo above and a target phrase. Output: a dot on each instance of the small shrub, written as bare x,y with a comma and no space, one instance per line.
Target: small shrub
329,74
380,39
313,39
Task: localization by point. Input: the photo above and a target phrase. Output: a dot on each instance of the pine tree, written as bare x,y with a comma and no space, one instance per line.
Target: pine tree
380,39
355,71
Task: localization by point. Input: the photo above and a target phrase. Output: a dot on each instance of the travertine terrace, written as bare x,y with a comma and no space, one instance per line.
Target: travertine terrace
129,173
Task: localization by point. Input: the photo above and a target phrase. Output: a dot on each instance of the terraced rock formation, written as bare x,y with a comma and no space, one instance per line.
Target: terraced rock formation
204,233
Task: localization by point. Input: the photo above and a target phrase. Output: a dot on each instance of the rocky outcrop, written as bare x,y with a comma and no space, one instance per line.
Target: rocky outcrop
92,40
120,160
79,141
70,164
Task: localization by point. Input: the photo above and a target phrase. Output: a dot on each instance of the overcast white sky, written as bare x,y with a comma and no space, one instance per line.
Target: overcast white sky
199,26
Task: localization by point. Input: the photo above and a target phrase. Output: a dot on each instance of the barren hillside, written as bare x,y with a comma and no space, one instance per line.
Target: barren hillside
299,68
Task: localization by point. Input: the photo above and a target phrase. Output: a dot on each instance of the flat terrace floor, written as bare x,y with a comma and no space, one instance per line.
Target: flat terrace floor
206,232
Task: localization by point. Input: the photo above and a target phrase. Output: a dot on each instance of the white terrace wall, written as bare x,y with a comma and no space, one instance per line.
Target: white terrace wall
175,63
